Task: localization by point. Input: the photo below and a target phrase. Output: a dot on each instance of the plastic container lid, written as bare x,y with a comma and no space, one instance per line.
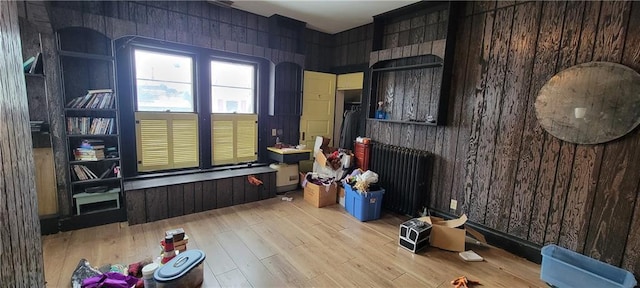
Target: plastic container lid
179,265
149,269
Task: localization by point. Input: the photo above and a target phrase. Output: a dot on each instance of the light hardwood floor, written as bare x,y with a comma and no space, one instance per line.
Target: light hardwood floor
274,243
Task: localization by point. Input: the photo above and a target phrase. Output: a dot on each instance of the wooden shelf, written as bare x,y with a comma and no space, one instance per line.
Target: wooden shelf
89,110
408,67
96,180
91,135
405,122
94,161
85,55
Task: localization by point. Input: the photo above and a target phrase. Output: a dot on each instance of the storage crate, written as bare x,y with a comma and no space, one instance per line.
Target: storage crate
363,205
565,268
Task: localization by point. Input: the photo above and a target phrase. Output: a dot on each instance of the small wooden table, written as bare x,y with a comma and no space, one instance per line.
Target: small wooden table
288,155
88,198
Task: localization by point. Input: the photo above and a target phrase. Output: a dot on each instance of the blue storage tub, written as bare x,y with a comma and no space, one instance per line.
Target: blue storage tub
363,205
562,267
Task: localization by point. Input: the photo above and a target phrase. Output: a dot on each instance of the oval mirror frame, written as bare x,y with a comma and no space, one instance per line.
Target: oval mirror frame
590,103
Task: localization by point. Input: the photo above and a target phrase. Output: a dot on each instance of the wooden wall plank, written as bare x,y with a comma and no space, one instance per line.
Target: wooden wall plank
436,86
251,192
225,192
238,190
617,185
189,198
586,158
136,212
463,86
21,257
476,213
263,190
395,104
156,203
489,120
209,200
511,127
631,58
175,195
197,197
545,224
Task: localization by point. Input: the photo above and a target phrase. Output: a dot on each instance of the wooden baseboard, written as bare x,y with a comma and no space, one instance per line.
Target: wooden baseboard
93,219
49,225
522,248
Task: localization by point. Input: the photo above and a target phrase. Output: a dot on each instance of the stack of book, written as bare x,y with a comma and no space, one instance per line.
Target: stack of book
94,99
88,125
90,150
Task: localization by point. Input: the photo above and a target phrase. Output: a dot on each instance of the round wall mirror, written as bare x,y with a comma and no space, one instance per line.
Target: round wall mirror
590,103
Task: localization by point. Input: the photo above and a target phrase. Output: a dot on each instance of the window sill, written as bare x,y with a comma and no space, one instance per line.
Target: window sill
195,175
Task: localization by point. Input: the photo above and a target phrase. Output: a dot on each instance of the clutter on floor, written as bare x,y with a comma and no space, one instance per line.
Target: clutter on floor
175,267
363,199
414,235
463,282
470,256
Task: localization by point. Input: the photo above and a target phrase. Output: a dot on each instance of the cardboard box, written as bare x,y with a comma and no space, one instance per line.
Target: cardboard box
320,196
341,195
450,234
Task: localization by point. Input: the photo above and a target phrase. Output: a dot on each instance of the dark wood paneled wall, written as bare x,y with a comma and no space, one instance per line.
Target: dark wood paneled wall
319,51
196,23
21,257
493,157
352,47
152,204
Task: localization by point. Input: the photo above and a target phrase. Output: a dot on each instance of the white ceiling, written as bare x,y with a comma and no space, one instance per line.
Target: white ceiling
329,16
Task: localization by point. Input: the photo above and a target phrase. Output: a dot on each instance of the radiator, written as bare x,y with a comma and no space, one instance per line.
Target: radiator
404,174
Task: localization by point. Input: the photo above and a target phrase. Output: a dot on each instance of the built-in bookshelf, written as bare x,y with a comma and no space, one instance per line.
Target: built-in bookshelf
91,115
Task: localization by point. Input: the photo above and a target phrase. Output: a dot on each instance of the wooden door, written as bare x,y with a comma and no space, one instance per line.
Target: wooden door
318,107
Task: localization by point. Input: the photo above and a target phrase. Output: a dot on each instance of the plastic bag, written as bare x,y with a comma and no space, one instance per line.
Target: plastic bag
363,180
110,280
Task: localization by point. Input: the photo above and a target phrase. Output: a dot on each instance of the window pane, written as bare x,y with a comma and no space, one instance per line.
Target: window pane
163,81
230,100
232,87
231,74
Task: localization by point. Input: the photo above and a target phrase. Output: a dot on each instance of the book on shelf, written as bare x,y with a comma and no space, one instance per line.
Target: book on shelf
107,172
94,99
89,125
82,172
36,66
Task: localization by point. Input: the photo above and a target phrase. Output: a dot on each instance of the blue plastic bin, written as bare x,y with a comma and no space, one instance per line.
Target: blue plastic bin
363,205
562,267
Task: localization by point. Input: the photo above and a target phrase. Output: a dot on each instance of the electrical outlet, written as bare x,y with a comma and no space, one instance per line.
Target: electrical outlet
274,132
453,205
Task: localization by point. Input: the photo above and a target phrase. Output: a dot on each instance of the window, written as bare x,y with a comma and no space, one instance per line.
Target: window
164,82
166,124
232,87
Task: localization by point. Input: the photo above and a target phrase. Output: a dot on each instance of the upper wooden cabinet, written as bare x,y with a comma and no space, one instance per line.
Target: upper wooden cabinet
287,97
351,81
411,76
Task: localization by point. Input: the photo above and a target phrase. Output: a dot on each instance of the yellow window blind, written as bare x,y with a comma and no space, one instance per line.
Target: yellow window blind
234,138
166,140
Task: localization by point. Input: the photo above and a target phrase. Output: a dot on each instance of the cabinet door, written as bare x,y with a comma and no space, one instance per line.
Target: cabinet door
350,81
